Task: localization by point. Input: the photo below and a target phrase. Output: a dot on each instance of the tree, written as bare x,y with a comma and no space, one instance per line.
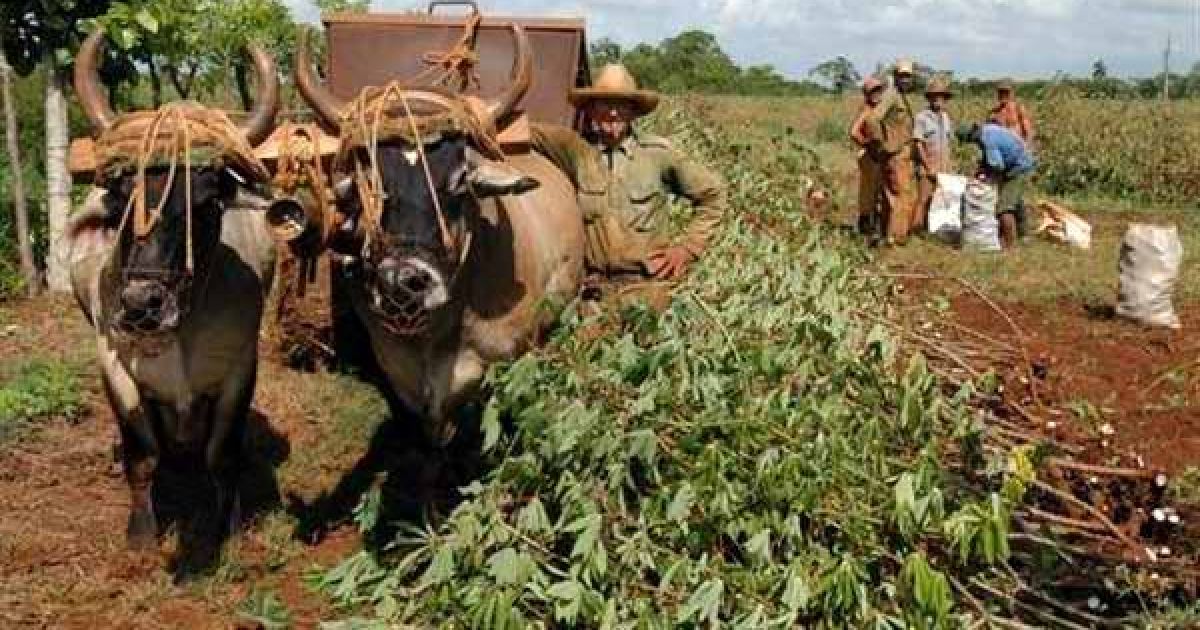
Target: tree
46,33
1099,70
645,62
20,210
694,60
343,6
838,74
604,51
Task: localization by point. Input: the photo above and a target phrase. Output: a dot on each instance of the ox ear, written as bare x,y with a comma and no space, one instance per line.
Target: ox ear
94,227
491,179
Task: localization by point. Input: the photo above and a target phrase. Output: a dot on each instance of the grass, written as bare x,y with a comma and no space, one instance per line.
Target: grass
37,389
1044,273
1041,273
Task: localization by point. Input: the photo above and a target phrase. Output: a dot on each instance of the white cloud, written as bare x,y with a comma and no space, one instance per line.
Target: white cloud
971,37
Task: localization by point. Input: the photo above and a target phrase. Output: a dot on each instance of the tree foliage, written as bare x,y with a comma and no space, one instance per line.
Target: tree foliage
694,61
839,74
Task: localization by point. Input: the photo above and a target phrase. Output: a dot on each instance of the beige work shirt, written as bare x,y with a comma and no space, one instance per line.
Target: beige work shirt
892,122
644,172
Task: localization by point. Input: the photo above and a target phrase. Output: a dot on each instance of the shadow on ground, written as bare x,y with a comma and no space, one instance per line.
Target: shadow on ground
185,498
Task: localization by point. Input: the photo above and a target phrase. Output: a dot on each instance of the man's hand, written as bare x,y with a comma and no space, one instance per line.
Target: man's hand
669,263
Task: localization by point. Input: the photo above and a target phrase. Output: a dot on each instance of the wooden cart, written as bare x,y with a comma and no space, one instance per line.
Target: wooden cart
368,49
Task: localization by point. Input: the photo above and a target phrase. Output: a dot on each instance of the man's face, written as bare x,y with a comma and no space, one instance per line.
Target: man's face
611,121
874,97
1004,95
937,102
904,82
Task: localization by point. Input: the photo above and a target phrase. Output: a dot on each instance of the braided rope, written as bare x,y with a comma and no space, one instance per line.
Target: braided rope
175,132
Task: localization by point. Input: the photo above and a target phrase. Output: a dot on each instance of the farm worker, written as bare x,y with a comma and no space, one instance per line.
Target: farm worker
1007,163
626,180
934,131
1010,113
870,173
889,127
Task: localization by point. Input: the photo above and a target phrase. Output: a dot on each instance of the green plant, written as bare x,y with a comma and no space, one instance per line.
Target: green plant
265,609
831,130
1185,488
748,457
37,389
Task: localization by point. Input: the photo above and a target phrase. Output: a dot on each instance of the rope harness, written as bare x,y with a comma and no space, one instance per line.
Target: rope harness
457,63
386,114
176,133
299,168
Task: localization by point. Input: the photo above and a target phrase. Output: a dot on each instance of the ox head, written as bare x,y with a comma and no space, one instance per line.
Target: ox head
415,196
157,260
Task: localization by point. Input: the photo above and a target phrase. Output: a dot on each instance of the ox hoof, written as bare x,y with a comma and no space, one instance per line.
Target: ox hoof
141,533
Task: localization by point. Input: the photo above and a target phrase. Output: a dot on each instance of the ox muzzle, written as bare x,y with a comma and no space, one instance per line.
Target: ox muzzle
406,292
150,306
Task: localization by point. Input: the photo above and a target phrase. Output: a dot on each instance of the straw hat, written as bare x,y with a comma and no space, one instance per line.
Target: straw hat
940,86
1005,85
905,66
614,83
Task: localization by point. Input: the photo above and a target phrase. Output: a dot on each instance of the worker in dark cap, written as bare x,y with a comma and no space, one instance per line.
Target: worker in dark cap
1005,163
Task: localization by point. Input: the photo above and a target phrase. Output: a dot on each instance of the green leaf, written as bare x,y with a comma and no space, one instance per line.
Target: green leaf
588,535
682,504
507,567
568,598
147,20
704,604
490,424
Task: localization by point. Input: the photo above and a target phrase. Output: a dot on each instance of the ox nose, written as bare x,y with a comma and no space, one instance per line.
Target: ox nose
414,280
143,302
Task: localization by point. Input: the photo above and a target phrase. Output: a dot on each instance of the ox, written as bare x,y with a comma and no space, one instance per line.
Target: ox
176,306
461,252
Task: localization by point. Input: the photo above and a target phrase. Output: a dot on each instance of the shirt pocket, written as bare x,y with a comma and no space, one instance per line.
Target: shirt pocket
645,197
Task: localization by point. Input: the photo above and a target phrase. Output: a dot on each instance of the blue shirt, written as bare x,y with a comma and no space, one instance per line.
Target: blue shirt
1004,151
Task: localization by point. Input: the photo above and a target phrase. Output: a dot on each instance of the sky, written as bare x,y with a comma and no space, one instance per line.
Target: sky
973,38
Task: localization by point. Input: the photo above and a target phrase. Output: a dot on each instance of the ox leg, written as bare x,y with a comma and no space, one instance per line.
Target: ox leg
226,450
139,459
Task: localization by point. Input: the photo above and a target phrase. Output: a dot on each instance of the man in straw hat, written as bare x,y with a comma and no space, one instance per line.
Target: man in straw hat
934,131
626,179
890,129
870,173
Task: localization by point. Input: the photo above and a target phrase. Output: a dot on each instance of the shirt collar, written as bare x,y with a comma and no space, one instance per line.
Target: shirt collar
627,145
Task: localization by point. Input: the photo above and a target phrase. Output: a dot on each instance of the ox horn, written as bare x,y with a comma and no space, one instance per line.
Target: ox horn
328,107
522,78
87,83
260,121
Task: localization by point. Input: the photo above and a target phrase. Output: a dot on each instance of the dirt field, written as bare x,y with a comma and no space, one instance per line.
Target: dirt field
63,502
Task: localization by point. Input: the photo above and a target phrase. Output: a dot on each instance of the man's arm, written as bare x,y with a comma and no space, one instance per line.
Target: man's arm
1026,125
858,130
706,190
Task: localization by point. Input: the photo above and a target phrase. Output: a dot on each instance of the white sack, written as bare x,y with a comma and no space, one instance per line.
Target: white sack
945,209
1151,256
980,229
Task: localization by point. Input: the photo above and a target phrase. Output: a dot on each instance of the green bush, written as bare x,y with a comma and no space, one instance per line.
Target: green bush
831,130
750,457
38,389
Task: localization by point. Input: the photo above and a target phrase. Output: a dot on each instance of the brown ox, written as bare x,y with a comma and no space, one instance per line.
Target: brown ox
459,254
176,300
